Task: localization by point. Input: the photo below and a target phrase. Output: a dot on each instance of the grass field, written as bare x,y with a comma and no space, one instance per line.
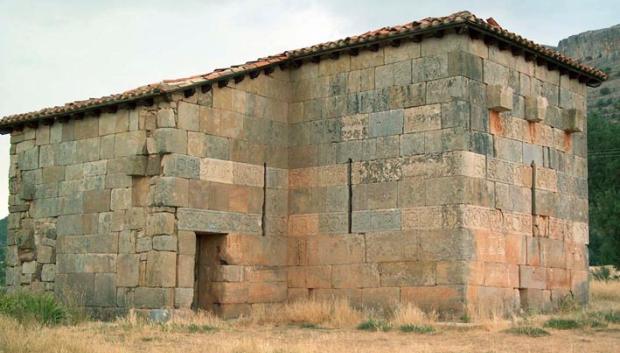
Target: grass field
333,327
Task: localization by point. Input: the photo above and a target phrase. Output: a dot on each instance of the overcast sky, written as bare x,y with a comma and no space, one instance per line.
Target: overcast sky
56,51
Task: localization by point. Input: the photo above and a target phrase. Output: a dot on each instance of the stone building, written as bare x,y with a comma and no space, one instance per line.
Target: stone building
442,162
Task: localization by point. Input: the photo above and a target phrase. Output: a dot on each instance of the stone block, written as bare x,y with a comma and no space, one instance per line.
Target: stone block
185,271
187,243
355,276
392,246
230,292
455,114
396,74
399,274
405,96
341,249
461,63
168,140
165,243
188,116
216,170
380,220
87,150
97,201
422,118
266,292
148,298
386,123
447,89
105,289
170,191
179,165
161,269
48,273
499,98
574,120
121,199
160,223
318,276
183,298
383,297
532,277
441,298
166,118
533,299
127,270
535,108
130,143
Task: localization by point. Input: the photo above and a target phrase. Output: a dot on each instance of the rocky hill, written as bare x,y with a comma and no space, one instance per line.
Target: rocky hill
600,48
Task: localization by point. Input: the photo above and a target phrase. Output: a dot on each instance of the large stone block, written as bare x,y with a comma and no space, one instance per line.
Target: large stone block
188,116
127,270
161,269
535,108
398,274
355,276
422,118
386,123
130,143
499,98
170,191
462,63
443,298
179,165
168,140
97,201
532,277
153,298
105,289
185,271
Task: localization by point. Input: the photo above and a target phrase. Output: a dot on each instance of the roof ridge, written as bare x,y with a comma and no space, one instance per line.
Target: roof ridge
418,27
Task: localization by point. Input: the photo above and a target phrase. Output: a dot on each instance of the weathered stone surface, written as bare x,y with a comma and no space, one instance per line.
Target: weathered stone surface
499,98
161,269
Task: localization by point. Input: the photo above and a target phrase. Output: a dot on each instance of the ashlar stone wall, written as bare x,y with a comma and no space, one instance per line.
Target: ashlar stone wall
446,173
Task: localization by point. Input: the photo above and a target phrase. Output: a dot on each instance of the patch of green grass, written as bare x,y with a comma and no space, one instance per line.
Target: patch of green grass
309,325
191,328
527,331
374,325
28,307
417,328
563,324
609,316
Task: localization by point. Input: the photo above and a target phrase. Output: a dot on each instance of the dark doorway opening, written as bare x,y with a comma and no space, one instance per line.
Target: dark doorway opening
209,259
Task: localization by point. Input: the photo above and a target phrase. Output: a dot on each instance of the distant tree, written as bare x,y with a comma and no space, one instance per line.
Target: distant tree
604,190
605,91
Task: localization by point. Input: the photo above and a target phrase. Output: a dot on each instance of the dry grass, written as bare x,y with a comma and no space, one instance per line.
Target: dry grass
277,330
412,315
605,291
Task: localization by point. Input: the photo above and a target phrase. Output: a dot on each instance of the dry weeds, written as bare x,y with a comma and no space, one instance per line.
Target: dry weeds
280,331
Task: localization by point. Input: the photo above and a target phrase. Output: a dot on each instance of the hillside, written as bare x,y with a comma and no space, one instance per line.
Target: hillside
601,48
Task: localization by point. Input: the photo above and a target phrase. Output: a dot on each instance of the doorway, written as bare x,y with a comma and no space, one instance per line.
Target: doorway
207,265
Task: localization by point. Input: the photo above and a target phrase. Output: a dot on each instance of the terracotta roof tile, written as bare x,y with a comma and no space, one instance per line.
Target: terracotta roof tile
413,28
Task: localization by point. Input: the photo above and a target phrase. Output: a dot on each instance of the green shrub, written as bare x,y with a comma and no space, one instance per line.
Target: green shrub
374,325
605,91
602,274
600,318
33,307
563,324
527,331
417,328
309,325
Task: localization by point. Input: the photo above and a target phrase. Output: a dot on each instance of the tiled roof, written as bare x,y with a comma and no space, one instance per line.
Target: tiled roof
464,21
